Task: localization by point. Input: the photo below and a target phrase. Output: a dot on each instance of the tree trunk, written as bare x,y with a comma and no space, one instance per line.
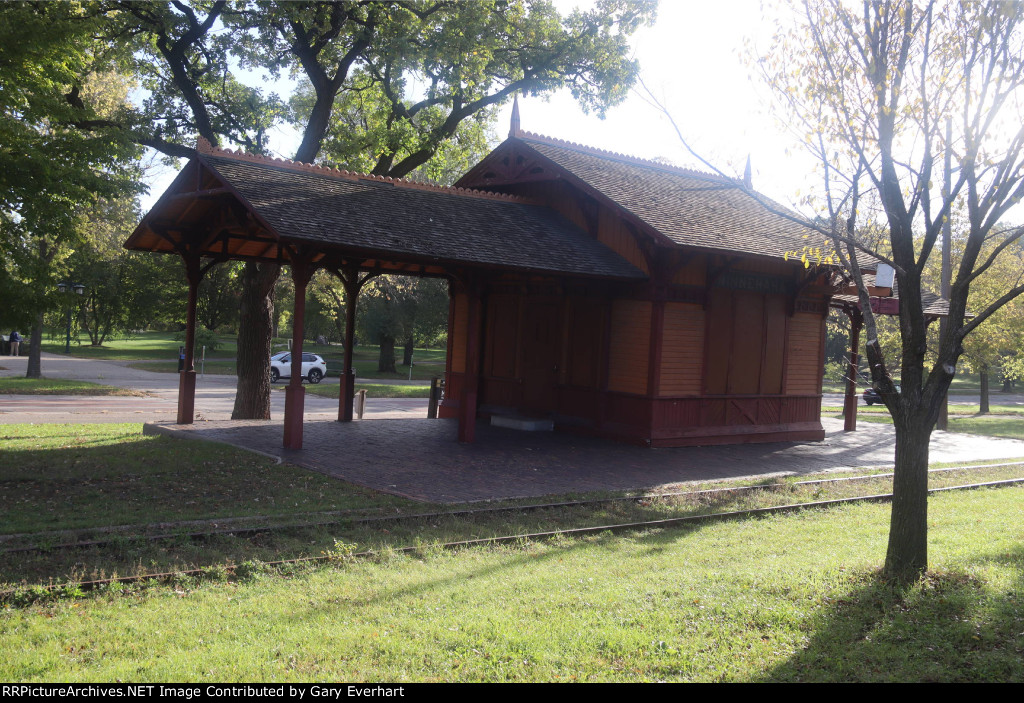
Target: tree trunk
907,556
407,352
386,360
255,332
983,377
35,349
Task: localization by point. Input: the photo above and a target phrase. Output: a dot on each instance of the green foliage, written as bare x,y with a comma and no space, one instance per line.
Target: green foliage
341,552
204,338
219,295
51,170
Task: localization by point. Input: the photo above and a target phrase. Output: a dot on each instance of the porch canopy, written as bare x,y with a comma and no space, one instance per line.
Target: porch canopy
233,206
884,301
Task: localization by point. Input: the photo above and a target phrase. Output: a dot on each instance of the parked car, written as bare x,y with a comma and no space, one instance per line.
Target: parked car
872,396
314,368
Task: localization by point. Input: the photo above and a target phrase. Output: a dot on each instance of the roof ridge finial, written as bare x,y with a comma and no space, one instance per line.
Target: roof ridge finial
514,130
746,175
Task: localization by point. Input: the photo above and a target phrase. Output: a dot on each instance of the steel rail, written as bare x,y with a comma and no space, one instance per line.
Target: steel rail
533,536
262,529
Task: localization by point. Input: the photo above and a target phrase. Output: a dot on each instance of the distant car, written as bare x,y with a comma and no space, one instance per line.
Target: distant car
872,396
314,368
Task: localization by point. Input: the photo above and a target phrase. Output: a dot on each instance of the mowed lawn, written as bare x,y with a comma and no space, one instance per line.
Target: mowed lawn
780,598
88,476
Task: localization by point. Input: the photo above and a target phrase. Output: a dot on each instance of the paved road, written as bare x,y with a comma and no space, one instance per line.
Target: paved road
215,396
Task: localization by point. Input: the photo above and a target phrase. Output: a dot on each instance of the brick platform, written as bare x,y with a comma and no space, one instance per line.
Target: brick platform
420,459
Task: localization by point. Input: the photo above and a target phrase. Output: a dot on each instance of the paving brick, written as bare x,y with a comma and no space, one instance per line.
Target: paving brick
421,459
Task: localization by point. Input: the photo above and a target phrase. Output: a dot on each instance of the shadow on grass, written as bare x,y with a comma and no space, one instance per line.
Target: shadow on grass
60,477
947,627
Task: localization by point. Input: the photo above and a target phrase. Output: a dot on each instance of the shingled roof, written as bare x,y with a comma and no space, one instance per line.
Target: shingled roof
394,219
691,208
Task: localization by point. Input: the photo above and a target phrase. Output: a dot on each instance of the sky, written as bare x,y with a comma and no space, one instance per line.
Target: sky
692,59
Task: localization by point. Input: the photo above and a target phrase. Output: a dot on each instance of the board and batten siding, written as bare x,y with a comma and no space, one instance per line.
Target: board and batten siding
457,340
614,234
682,353
629,351
804,364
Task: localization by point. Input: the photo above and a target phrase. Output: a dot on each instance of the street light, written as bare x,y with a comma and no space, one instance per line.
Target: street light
77,289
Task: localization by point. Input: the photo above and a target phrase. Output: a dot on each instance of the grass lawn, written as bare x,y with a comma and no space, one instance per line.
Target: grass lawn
18,385
988,425
778,598
146,345
963,384
954,410
87,476
373,390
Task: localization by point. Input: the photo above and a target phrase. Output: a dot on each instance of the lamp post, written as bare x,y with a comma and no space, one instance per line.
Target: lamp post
76,289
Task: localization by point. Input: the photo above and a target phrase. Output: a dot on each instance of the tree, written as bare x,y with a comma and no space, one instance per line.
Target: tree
50,170
998,342
101,264
872,86
432,65
402,308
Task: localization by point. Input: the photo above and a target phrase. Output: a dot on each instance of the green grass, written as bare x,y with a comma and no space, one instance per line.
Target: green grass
150,346
962,410
146,345
963,384
16,385
779,598
373,390
987,425
85,476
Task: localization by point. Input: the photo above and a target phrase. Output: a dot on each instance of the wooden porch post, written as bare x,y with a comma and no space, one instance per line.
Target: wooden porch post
348,274
850,401
348,376
471,382
295,394
187,376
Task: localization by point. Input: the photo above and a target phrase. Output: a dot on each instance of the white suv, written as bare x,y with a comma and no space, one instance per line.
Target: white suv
314,368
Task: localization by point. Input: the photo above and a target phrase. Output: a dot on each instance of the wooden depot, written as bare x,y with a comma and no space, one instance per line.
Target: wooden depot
608,295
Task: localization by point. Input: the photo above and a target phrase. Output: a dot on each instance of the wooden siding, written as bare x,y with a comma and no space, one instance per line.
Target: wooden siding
457,338
746,343
773,268
583,343
804,367
502,338
694,273
682,354
776,322
630,346
613,234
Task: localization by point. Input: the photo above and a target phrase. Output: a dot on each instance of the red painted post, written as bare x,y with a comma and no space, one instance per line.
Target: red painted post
348,377
850,401
187,376
294,393
471,381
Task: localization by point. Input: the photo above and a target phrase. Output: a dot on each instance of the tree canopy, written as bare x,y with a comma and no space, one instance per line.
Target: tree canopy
385,84
51,170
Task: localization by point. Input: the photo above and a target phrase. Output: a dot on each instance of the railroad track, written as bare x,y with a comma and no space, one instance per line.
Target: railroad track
336,519
549,534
